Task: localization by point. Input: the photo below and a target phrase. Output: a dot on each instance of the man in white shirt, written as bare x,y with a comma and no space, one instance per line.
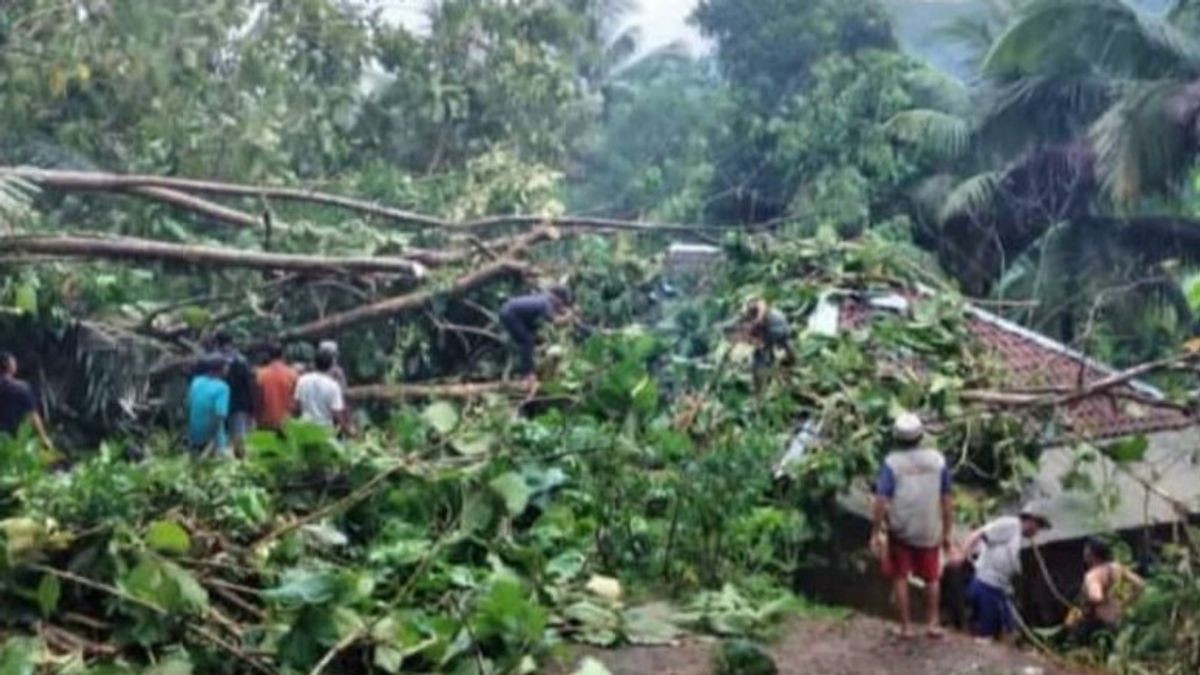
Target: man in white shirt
319,396
998,563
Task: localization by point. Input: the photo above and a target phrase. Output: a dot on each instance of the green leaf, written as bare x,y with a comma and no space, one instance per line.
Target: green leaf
473,444
305,587
442,416
1129,450
25,299
49,591
513,489
174,665
168,537
508,614
164,584
18,656
594,624
23,537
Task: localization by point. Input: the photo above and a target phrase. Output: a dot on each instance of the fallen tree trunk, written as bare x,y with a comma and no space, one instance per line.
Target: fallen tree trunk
171,190
409,392
128,248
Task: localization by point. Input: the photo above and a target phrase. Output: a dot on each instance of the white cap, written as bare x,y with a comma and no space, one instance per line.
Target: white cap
908,427
1038,512
328,346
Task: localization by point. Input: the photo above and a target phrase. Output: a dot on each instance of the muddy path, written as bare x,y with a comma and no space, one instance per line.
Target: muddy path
856,646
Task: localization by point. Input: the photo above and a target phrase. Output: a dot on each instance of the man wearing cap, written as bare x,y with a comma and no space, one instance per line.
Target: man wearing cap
999,561
913,505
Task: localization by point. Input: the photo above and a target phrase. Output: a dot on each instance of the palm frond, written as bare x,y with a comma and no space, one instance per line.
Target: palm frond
944,135
16,200
1043,108
1107,35
973,197
1141,146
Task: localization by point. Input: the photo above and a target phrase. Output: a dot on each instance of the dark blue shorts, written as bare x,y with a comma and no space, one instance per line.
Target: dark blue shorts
991,614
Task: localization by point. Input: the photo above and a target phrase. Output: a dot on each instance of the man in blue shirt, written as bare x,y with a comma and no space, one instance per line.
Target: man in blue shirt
522,316
208,408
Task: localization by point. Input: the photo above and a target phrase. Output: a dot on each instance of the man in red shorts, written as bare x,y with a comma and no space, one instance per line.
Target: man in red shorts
913,503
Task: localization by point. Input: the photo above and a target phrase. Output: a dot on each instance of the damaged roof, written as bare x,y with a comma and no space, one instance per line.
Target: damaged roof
1033,362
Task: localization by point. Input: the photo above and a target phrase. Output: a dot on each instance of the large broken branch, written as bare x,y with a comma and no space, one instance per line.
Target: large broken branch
1065,397
199,206
128,248
90,180
171,190
158,191
410,392
405,304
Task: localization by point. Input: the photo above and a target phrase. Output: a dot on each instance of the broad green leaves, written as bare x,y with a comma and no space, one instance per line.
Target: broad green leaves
168,537
513,490
442,416
49,590
165,585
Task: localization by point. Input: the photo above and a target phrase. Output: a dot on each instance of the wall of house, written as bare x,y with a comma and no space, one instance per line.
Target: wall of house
849,576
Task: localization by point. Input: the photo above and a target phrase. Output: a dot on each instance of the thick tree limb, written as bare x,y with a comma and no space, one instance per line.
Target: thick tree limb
404,304
89,180
409,392
198,206
1065,397
415,302
128,248
171,190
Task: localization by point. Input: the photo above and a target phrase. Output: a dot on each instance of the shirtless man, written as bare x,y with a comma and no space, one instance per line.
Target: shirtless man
1102,590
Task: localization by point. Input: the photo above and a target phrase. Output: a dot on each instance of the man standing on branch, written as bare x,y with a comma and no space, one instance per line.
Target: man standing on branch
17,403
913,514
522,317
769,330
998,563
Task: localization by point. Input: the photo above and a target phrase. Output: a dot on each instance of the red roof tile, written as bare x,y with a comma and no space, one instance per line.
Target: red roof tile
1033,361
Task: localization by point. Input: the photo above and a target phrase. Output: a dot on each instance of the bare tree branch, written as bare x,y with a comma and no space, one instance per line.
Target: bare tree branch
128,248
172,190
408,392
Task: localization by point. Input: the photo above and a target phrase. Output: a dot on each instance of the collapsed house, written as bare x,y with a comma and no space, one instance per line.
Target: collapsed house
1146,496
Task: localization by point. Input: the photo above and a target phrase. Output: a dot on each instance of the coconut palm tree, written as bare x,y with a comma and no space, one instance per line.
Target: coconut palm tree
1071,175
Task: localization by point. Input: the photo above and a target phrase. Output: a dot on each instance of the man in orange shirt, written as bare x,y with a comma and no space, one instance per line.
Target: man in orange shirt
276,390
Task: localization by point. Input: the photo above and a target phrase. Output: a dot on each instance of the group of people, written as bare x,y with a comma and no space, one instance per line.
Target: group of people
227,397
912,535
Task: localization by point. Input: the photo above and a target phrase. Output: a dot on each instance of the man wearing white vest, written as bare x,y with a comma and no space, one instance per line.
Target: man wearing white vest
913,506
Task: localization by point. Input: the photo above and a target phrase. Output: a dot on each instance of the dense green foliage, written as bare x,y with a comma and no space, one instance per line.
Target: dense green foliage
477,539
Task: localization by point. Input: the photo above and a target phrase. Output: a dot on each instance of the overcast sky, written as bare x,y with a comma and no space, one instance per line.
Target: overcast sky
661,21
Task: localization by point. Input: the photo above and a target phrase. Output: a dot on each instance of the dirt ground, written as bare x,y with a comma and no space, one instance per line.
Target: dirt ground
858,646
